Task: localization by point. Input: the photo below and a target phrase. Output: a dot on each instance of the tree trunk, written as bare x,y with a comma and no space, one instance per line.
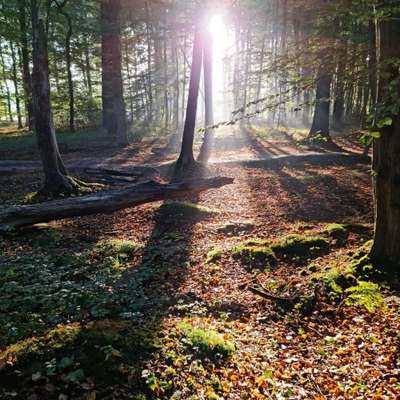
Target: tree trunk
208,96
26,75
186,157
16,88
56,180
114,118
386,162
102,202
320,125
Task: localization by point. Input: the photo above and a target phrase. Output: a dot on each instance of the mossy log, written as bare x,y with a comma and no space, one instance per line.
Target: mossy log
103,202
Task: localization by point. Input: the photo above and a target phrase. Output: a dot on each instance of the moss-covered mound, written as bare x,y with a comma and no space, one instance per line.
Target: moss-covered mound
300,245
261,257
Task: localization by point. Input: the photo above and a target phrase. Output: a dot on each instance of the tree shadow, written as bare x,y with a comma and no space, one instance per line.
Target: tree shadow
310,195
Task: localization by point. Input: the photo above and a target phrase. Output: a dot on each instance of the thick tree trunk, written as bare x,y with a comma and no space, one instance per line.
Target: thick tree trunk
386,162
26,75
102,202
186,157
114,118
320,125
56,180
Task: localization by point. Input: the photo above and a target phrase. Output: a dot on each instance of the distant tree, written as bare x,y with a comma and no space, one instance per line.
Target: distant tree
68,57
208,95
26,74
114,115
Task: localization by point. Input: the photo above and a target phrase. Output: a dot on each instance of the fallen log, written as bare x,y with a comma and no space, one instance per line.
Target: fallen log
102,202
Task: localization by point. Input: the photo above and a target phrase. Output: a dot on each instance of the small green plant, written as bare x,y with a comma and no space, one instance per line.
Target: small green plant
366,294
206,343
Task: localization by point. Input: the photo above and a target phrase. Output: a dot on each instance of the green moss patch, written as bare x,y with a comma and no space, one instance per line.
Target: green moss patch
299,245
206,343
336,230
365,294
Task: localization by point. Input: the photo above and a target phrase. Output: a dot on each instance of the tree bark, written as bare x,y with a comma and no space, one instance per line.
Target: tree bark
54,170
102,202
114,116
386,152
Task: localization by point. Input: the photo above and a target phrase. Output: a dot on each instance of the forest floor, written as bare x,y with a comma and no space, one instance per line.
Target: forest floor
156,302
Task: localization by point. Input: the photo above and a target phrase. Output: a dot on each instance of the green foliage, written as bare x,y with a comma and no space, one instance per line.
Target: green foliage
366,294
299,245
206,343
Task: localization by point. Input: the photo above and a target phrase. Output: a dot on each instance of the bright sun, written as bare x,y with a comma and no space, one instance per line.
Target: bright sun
217,28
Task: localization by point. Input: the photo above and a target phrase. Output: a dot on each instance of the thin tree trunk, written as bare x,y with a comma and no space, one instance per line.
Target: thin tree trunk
26,75
5,80
16,88
186,157
208,96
